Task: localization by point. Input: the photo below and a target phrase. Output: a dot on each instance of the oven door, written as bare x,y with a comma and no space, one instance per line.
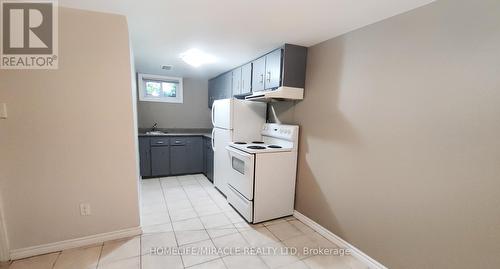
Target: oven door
241,175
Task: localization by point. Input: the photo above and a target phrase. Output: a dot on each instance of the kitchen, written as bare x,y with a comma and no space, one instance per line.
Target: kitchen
192,149
249,134
227,178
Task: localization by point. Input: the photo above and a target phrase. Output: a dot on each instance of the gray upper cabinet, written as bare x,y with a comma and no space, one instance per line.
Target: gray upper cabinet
293,66
246,79
259,68
220,87
211,92
284,66
242,80
236,83
227,88
273,70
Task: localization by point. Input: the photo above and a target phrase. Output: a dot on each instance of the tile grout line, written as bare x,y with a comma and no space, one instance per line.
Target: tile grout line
57,258
100,255
169,217
210,238
238,232
140,251
223,212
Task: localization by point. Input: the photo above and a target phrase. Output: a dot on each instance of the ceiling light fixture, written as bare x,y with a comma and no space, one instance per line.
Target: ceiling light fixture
196,57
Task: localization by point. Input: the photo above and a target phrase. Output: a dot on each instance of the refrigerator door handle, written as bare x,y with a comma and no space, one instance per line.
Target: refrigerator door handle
214,105
213,139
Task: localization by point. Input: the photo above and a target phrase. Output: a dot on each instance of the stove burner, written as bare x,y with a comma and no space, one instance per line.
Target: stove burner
274,146
256,147
240,143
257,142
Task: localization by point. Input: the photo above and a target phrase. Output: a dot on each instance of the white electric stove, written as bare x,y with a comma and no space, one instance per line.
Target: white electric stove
262,179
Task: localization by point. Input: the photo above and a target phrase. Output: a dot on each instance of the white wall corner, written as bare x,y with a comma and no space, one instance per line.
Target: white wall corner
4,241
367,260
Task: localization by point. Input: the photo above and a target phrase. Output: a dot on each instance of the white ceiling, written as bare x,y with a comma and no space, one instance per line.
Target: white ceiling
235,31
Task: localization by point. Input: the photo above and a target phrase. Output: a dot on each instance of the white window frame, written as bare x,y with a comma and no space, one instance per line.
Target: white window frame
142,89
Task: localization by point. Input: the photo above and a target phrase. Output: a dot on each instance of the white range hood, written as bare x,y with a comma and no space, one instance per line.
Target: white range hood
281,93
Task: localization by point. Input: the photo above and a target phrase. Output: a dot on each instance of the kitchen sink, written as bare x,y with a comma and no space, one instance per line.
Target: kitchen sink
155,133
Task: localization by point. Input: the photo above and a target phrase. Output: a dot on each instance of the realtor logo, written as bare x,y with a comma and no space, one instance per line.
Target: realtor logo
29,34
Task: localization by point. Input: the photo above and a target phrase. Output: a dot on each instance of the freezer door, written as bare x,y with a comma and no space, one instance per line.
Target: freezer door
222,114
222,161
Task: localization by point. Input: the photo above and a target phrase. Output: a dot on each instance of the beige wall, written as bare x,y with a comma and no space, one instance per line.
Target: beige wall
70,137
193,113
400,148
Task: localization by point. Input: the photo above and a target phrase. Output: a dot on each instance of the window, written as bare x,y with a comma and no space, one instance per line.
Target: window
160,89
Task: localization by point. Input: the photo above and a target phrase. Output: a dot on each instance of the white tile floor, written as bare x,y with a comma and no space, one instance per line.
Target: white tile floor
186,213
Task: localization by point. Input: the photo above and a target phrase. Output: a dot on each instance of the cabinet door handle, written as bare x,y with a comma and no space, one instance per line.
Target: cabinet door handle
159,142
261,78
268,76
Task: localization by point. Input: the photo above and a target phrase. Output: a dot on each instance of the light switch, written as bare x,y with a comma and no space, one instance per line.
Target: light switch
85,209
3,111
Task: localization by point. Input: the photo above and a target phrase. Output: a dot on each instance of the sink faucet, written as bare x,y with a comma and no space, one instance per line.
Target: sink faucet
154,127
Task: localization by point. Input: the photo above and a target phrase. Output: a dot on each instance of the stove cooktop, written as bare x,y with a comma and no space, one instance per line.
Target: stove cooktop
258,147
274,147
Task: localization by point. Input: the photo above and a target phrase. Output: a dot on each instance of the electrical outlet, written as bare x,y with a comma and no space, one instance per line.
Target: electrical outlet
85,209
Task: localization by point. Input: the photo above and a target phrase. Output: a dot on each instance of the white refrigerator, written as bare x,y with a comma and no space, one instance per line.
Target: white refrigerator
233,120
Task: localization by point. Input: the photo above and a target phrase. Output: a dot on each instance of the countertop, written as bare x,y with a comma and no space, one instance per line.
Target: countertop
209,135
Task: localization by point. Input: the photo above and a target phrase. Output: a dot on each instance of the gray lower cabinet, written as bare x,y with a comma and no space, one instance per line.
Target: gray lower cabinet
186,155
176,155
208,169
194,149
210,164
180,159
145,156
160,160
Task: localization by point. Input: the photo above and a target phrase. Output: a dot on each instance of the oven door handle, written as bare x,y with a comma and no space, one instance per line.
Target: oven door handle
239,152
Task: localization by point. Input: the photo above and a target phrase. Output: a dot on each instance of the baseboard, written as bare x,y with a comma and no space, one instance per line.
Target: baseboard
370,262
73,243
